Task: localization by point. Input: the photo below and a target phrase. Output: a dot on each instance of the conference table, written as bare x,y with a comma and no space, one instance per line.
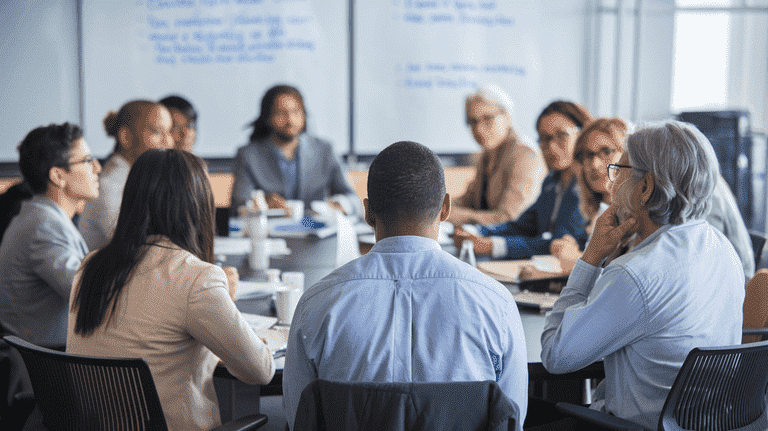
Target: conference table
237,398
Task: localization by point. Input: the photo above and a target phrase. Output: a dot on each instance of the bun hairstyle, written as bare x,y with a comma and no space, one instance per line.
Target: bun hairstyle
128,116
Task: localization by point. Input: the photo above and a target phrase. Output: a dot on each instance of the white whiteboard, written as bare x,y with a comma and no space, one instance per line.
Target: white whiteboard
415,61
221,55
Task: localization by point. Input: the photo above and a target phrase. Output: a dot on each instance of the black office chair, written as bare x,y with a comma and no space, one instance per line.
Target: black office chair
327,405
75,392
15,389
758,244
717,389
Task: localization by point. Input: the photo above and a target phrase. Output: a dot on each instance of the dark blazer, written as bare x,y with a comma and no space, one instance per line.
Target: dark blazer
524,236
327,405
320,174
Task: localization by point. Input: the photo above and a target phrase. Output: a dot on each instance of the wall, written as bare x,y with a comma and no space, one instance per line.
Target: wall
39,68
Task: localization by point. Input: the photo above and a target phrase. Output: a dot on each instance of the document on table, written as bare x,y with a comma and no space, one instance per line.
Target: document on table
505,271
508,271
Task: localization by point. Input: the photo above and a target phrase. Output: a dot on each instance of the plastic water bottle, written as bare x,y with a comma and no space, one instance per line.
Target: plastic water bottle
467,253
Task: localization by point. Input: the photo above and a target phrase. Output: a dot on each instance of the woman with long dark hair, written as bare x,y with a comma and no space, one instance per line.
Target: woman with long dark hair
154,292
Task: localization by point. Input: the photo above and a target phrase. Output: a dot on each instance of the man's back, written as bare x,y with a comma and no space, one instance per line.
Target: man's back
406,311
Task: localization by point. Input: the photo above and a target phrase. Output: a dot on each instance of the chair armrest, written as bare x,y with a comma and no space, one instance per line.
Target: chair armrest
754,331
536,371
246,423
597,418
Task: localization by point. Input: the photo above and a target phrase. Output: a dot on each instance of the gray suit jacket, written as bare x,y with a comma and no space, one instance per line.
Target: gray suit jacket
320,174
40,253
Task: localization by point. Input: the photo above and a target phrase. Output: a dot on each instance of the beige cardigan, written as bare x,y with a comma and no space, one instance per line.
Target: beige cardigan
176,313
515,174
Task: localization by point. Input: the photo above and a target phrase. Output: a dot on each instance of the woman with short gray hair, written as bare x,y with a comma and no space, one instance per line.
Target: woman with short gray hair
680,286
509,170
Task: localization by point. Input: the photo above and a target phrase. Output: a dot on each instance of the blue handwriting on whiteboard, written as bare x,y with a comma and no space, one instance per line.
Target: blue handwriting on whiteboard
197,21
169,4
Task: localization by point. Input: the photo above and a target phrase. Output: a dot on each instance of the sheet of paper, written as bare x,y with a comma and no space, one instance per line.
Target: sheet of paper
505,271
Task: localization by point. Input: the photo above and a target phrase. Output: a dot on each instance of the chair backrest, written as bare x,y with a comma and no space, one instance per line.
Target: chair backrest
755,307
77,392
405,406
718,389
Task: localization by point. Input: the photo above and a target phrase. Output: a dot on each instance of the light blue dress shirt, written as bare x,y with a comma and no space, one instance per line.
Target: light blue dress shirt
40,253
406,312
680,288
289,168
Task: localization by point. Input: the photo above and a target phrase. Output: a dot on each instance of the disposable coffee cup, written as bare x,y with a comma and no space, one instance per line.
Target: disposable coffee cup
286,300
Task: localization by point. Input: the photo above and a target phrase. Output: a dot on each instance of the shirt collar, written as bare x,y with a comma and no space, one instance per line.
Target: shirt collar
279,154
405,244
667,227
45,201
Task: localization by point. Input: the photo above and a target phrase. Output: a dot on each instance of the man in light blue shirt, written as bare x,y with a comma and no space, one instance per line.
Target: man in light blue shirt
406,311
681,286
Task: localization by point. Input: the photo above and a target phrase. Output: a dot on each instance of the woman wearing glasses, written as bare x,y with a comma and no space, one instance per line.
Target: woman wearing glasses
555,213
42,249
600,143
154,292
184,116
681,286
509,171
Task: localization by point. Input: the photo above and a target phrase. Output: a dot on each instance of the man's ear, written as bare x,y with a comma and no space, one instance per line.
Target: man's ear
445,211
369,217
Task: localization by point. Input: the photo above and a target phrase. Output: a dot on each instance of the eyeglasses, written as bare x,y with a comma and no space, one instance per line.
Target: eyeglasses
613,171
485,120
185,127
560,137
603,154
89,159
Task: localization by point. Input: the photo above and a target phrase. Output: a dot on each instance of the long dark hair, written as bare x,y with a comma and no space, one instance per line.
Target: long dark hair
261,127
168,194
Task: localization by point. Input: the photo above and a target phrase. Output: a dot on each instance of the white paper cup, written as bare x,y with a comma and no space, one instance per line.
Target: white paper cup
286,300
296,208
294,279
